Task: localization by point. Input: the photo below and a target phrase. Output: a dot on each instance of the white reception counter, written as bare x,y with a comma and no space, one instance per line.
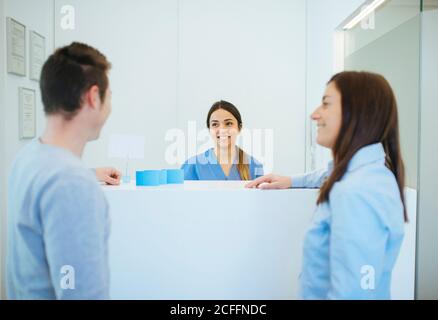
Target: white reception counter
217,240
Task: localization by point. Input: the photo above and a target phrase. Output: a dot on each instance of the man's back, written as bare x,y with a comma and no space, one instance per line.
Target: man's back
58,227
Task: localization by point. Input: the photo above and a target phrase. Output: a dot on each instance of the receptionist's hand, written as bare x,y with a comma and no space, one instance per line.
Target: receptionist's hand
108,175
271,181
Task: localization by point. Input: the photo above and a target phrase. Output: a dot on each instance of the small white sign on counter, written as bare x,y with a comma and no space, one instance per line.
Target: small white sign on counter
126,146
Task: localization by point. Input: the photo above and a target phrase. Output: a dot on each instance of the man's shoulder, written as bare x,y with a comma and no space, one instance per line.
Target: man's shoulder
42,164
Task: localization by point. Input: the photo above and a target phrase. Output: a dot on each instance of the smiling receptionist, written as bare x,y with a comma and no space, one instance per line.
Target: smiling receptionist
225,161
355,236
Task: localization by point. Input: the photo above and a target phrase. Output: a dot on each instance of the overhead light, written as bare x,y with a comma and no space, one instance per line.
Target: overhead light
363,13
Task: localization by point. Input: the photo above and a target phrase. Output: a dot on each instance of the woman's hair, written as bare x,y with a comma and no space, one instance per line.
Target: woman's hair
369,115
242,165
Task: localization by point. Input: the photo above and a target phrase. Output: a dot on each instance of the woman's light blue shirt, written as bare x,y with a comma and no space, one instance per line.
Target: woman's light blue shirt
353,242
205,166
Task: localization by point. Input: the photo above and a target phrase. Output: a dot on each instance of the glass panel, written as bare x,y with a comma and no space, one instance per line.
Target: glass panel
430,5
386,18
390,45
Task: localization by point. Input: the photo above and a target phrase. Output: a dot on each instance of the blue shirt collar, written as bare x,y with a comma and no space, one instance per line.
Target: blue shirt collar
365,155
212,159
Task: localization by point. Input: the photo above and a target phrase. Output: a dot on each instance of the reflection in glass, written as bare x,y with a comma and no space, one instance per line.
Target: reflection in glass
389,44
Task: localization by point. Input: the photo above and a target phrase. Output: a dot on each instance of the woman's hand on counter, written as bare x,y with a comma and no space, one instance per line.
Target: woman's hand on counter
110,176
271,181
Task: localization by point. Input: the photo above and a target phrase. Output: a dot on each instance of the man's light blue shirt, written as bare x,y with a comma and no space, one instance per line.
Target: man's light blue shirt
354,239
58,222
205,166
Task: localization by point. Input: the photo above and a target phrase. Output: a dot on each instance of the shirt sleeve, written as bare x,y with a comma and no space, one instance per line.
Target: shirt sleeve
310,180
357,246
189,171
258,170
74,215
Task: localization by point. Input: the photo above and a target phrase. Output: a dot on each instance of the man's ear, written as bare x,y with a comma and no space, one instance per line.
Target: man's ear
92,97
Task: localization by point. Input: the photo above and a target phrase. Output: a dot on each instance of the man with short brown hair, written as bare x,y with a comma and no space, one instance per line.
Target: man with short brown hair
58,221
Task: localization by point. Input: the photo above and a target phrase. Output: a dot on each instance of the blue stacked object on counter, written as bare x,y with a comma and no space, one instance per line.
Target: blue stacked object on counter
163,176
175,176
159,177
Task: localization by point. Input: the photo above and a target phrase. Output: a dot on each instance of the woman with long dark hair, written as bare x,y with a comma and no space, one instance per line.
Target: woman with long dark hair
358,227
225,161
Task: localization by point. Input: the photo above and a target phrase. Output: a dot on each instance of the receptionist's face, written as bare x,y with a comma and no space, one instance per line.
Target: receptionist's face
224,129
328,117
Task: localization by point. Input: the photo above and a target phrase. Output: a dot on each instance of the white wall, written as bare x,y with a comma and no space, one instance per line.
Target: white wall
37,16
250,53
140,39
323,17
189,54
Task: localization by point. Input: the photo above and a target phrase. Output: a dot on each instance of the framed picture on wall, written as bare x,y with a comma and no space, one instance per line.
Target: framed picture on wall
16,47
37,54
27,116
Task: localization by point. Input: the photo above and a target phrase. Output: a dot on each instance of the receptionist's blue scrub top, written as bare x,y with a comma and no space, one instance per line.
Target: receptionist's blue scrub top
205,166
